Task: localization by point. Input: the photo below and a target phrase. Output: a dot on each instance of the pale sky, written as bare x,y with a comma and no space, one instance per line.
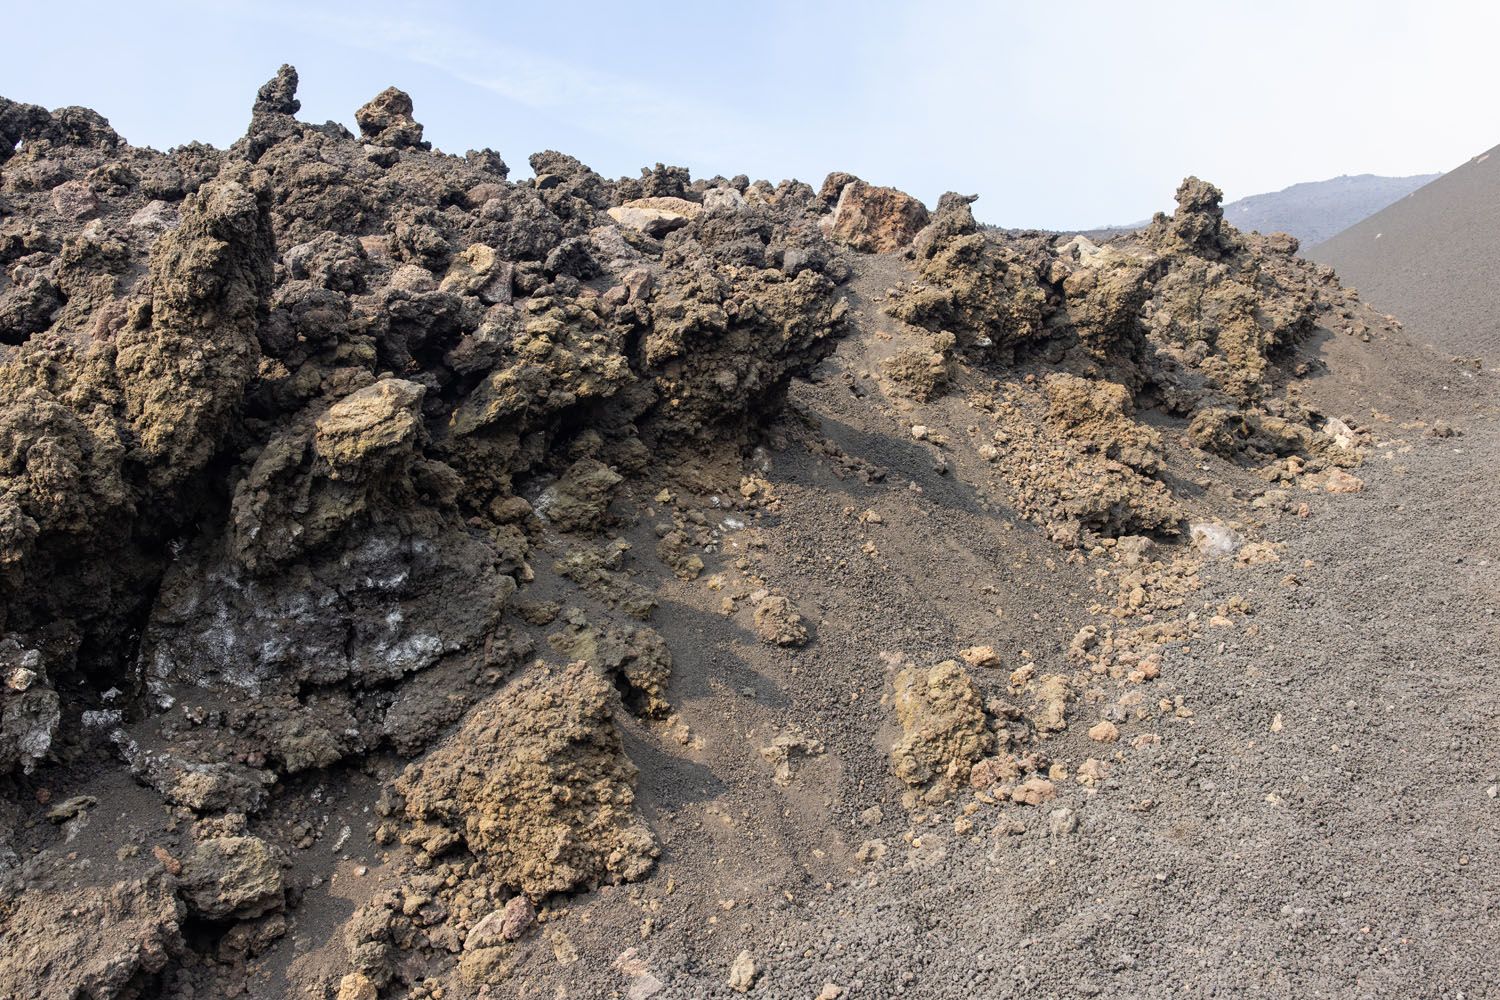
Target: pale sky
1058,115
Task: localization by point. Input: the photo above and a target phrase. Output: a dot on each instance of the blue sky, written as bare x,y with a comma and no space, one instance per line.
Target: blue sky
1058,115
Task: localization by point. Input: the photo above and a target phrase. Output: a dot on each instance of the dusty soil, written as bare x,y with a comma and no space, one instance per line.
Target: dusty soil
1321,824
423,584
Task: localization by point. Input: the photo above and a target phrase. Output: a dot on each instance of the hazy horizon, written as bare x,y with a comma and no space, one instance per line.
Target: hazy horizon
1055,125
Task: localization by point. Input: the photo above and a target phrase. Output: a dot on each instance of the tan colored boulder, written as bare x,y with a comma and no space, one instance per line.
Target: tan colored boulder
357,986
1340,481
943,726
656,216
742,973
1104,731
778,623
1033,792
537,786
874,219
723,200
358,431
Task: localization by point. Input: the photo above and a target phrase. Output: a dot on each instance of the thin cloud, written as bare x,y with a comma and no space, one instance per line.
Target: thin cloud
623,110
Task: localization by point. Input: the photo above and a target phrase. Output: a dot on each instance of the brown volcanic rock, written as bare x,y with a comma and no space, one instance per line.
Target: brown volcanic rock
833,186
1239,296
232,877
360,431
535,785
371,366
984,292
1199,220
944,728
63,933
1189,309
872,219
114,415
1097,414
387,120
279,94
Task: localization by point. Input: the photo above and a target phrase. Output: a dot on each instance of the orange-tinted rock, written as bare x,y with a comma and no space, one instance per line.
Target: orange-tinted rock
874,219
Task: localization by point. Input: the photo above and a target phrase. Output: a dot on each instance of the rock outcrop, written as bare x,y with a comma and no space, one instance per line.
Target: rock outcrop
1190,313
386,120
981,290
329,455
871,219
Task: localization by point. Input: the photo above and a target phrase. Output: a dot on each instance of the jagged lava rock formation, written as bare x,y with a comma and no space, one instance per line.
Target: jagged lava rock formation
303,441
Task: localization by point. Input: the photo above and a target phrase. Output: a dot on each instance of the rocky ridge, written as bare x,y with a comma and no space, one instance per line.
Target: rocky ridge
307,443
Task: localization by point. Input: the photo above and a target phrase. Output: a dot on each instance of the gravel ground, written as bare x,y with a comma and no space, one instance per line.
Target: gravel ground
1325,825
1322,824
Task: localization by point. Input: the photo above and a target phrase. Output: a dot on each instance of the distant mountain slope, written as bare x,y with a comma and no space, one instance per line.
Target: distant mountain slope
1317,210
1312,211
1433,259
